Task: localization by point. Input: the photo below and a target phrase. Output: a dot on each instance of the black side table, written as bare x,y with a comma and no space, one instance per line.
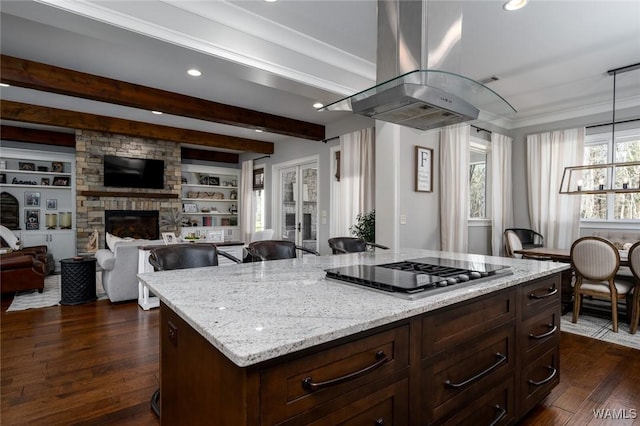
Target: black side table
78,280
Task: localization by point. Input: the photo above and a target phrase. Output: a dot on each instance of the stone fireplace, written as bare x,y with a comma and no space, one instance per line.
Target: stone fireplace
93,199
138,224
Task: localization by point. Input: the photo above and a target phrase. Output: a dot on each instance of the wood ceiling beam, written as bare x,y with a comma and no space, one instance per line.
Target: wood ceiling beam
48,78
46,137
201,154
37,114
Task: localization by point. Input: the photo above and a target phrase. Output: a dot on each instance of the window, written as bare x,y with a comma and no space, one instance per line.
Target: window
599,149
478,180
258,210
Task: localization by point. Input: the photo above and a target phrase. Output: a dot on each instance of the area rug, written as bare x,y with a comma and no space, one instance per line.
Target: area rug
600,328
49,297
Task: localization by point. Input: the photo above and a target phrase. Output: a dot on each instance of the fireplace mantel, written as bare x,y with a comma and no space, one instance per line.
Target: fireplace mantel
127,194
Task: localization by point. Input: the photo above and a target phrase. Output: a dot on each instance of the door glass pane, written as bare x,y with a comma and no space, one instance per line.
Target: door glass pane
309,207
288,189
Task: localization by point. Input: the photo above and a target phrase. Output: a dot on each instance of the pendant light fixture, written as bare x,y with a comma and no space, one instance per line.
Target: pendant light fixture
571,185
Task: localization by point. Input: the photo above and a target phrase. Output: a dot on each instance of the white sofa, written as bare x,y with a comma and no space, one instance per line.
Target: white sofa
120,268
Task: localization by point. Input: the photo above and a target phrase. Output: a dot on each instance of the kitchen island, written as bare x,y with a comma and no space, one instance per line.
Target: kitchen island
278,343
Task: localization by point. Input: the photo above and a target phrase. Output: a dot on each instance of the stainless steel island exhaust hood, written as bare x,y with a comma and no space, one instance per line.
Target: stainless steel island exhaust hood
418,59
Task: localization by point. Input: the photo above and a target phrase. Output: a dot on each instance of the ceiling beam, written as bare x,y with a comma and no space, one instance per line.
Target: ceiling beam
201,154
37,114
46,137
48,78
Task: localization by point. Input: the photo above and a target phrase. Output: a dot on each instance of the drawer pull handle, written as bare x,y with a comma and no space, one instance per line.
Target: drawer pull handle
552,330
310,385
550,292
500,359
501,414
548,379
379,422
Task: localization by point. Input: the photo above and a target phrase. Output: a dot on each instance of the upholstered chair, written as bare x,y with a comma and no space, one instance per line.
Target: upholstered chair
634,264
528,237
595,262
276,249
341,245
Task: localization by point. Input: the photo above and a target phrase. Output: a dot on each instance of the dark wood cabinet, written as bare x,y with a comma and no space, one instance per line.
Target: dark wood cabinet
487,360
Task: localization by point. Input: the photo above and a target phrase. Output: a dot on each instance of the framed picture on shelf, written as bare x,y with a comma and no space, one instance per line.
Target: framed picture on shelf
215,236
3,178
32,218
45,181
214,180
60,181
26,166
43,169
52,204
32,199
57,167
169,237
190,208
225,221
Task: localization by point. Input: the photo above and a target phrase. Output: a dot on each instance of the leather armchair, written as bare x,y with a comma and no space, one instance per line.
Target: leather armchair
340,245
21,271
184,256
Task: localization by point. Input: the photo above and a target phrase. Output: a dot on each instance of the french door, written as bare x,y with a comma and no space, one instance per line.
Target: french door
297,202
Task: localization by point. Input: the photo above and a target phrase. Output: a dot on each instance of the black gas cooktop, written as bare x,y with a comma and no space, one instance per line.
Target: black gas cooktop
416,278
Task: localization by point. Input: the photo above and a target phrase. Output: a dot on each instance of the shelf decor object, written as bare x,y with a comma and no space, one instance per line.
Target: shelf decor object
604,178
424,169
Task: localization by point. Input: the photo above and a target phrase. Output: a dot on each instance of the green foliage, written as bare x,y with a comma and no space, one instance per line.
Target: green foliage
365,226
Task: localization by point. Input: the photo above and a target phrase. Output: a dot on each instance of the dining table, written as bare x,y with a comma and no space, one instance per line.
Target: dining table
566,292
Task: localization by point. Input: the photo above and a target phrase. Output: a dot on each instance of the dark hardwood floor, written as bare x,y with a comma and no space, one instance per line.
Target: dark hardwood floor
98,363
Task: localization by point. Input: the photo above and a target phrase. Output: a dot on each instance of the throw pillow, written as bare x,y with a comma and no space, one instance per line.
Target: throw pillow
111,241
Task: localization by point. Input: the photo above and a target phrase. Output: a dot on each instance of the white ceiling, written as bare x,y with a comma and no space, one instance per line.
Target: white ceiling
551,57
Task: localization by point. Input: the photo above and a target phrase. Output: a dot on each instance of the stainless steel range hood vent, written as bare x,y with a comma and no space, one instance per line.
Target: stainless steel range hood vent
425,49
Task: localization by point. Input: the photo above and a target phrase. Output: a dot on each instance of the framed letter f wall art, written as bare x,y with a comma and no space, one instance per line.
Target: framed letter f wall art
424,169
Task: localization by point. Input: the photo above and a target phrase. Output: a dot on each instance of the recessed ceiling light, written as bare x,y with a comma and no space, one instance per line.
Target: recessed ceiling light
270,1
318,105
258,130
4,85
156,112
514,4
194,72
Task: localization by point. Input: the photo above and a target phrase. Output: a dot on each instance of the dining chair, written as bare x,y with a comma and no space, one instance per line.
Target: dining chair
634,265
512,243
183,256
341,245
595,262
528,237
276,249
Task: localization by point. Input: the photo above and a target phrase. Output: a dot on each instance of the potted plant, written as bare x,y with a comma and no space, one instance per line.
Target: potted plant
365,226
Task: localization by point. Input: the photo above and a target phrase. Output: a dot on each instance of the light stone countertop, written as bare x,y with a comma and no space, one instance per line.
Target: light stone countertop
254,312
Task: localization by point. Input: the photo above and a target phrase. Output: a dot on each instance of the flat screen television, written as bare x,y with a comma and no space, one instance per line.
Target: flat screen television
124,172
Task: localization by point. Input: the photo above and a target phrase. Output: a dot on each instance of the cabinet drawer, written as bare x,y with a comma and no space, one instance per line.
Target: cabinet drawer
539,295
539,334
457,378
537,379
387,406
302,384
496,407
451,326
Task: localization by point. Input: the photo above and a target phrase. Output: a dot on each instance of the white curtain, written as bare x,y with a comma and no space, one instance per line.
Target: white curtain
246,191
454,188
501,190
356,187
555,216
